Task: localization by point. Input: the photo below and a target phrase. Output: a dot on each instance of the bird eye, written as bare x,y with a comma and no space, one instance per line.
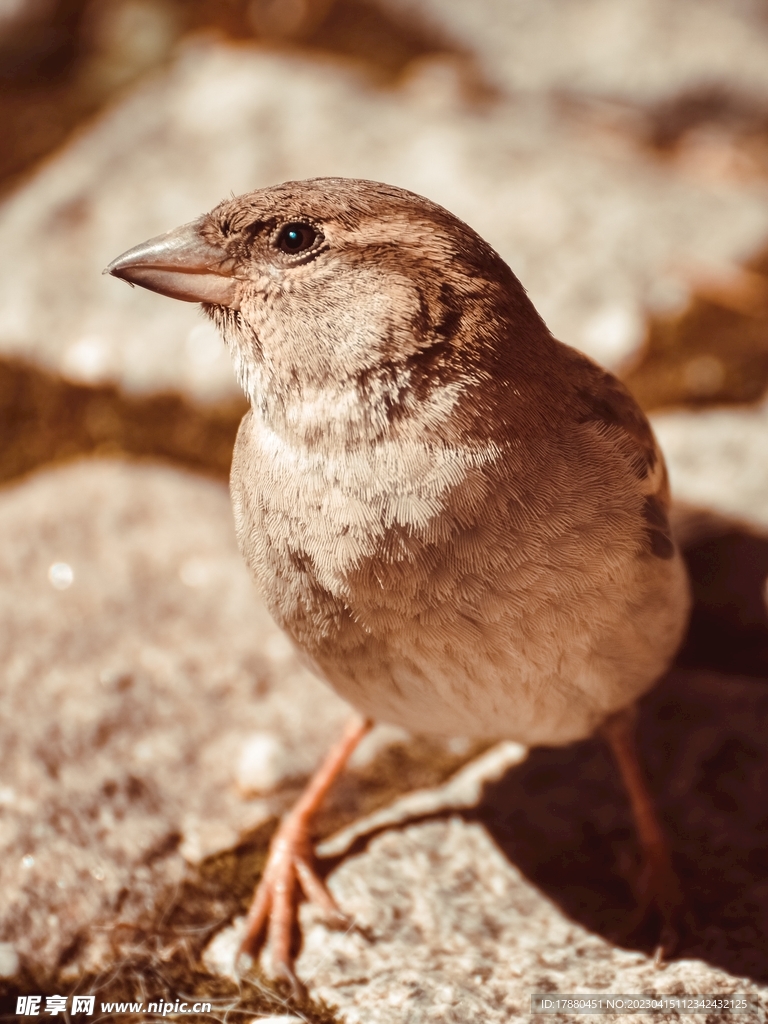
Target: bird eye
295,238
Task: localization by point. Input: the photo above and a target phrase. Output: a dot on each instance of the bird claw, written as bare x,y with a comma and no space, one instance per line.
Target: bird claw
298,989
273,916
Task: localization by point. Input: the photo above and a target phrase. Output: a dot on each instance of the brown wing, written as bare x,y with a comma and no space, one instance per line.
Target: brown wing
604,399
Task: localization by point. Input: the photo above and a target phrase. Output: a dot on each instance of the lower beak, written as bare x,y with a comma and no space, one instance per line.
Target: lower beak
181,264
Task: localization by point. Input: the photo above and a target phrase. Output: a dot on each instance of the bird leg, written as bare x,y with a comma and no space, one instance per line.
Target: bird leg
657,884
290,864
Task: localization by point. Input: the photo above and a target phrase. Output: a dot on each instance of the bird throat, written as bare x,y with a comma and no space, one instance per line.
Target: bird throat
345,413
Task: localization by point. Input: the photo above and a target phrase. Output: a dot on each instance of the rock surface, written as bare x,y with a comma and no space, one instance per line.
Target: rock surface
717,459
464,919
596,231
137,663
450,931
639,51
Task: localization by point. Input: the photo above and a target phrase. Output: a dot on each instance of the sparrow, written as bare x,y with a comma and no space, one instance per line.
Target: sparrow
459,521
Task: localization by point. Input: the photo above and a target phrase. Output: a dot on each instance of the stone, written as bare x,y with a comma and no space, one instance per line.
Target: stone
265,763
9,960
137,661
445,928
638,51
222,954
449,930
463,919
597,230
718,460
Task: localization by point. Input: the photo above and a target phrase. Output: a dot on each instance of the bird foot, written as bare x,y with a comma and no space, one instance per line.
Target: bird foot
273,916
289,870
657,892
657,887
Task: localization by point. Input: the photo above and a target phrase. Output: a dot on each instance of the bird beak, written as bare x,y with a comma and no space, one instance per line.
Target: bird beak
182,264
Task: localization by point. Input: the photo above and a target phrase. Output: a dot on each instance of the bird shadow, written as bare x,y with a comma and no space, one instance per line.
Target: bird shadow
562,816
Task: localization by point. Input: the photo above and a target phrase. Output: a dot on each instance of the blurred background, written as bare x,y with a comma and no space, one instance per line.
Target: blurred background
615,152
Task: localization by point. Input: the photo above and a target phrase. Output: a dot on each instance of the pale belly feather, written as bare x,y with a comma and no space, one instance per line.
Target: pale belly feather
537,643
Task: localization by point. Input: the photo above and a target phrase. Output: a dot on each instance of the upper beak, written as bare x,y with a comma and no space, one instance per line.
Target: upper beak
182,264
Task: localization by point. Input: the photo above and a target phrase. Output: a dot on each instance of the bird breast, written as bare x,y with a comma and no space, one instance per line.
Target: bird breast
445,587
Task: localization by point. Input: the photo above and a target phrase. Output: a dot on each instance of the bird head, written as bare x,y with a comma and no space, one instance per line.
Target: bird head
339,292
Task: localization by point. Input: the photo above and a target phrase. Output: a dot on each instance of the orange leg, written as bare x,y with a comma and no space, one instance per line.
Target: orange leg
289,864
658,882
